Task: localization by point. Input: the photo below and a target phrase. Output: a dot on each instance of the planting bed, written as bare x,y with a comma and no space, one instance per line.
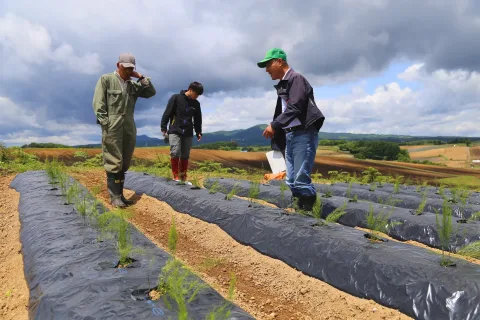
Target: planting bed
73,275
397,275
407,197
267,288
432,192
407,225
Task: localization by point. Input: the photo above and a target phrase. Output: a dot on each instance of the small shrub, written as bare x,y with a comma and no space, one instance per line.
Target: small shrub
379,223
317,208
81,155
333,176
337,213
93,162
371,174
232,193
445,231
283,188
214,188
328,193
254,190
72,193
423,203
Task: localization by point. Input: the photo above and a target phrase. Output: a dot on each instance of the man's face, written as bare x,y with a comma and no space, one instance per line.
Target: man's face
192,94
127,72
274,68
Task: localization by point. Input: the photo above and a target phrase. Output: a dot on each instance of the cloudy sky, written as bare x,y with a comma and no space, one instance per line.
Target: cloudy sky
377,66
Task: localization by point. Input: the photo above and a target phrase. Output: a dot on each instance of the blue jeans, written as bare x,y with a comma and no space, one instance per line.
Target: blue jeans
300,157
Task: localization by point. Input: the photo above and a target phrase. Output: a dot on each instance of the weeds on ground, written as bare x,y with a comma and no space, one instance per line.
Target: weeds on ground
472,250
371,174
15,160
333,176
93,162
475,216
373,187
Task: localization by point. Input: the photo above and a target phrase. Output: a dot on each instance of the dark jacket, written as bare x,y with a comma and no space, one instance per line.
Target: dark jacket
298,94
180,111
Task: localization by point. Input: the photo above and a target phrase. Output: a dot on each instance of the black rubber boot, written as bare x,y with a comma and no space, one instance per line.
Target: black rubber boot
295,203
114,186
306,203
122,181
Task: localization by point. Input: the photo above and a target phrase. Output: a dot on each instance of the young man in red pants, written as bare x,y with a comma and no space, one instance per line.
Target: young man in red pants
184,114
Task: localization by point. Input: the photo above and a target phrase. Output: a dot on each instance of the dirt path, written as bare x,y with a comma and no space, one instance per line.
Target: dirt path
267,288
13,288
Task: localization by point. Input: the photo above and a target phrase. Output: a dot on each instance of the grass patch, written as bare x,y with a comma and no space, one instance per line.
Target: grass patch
467,181
472,250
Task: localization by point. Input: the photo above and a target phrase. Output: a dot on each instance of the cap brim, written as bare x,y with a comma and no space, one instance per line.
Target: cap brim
263,63
127,65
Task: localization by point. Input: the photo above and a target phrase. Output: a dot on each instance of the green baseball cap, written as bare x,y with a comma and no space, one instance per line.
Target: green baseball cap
274,53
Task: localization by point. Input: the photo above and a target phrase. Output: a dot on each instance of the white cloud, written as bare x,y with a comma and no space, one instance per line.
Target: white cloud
447,103
14,117
25,45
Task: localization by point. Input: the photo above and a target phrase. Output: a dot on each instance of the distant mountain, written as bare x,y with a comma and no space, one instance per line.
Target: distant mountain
253,136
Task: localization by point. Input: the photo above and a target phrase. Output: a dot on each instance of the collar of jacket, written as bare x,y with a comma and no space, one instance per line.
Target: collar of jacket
286,78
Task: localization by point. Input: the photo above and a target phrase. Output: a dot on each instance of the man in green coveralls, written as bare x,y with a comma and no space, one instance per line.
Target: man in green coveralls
114,104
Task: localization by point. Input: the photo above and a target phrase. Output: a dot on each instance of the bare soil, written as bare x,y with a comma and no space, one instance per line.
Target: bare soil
475,153
13,287
267,288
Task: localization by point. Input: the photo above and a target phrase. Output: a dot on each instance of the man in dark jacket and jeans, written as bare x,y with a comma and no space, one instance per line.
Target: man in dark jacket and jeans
295,126
184,114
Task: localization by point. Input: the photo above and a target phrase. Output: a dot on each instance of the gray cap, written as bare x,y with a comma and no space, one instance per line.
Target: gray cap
127,60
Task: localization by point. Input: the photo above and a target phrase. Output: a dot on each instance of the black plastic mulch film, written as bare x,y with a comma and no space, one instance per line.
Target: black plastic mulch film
408,226
73,276
394,274
407,197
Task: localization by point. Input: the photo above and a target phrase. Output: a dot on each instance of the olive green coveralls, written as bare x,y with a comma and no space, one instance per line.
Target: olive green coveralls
114,104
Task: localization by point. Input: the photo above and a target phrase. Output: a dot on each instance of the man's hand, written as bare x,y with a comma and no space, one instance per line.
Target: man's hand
269,132
199,136
137,75
164,133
